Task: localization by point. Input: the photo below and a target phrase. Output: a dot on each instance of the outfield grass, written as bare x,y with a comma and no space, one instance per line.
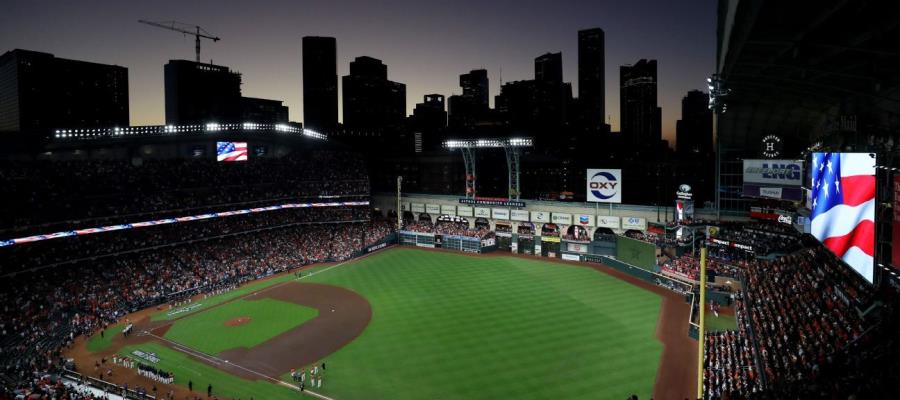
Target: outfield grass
268,318
721,323
97,343
450,326
224,384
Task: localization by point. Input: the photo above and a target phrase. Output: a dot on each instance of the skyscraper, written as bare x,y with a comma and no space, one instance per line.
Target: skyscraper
371,101
693,132
263,111
472,106
548,68
592,77
640,114
320,94
199,93
40,93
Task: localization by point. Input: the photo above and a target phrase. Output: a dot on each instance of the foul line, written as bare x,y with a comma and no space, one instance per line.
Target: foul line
218,361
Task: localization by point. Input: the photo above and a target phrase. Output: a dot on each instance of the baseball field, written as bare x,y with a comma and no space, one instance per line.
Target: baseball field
411,324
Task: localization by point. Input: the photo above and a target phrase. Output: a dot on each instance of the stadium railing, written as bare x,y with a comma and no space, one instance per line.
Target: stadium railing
105,386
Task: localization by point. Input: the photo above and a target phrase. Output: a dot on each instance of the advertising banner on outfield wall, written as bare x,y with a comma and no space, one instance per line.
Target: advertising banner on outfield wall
608,221
464,211
406,207
577,247
604,185
895,238
433,209
501,213
562,219
540,216
634,223
448,210
518,215
584,220
481,212
417,207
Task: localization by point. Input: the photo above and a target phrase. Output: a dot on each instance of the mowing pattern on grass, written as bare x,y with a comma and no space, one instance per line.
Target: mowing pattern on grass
208,302
224,384
451,326
97,343
268,318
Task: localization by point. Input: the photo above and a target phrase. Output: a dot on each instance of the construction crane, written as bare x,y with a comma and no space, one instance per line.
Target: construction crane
186,29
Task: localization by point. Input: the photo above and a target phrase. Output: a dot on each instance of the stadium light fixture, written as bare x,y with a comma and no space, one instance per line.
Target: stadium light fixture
488,143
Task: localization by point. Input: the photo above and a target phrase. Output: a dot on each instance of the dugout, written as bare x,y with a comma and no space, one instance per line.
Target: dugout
550,240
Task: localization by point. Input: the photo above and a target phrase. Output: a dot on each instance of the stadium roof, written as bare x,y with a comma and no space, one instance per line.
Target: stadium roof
792,66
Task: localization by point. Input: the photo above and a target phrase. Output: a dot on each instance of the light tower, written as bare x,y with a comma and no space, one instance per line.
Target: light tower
513,149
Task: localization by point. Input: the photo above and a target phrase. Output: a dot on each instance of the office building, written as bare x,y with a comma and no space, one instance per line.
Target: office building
640,113
199,93
263,111
472,106
40,92
371,101
693,132
320,84
592,77
548,68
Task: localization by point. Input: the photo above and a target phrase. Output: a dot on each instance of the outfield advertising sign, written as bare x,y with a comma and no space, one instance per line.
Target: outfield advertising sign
518,215
604,185
608,221
562,219
417,207
634,223
584,220
540,216
501,213
433,209
448,210
464,211
481,212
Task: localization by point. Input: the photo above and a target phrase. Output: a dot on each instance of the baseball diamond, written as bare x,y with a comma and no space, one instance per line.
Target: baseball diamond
409,323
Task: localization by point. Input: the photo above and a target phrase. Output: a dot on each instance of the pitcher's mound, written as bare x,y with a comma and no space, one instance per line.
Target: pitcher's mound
237,321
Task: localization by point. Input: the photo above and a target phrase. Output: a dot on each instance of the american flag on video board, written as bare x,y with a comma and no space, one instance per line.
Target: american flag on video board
843,207
231,151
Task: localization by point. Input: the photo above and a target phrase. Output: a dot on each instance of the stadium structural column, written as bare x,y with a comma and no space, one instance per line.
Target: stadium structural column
702,310
468,154
513,154
399,209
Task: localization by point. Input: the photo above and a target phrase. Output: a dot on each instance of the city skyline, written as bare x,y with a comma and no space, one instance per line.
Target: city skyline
425,46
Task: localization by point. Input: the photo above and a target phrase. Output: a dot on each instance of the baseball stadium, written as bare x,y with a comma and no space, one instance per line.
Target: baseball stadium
520,251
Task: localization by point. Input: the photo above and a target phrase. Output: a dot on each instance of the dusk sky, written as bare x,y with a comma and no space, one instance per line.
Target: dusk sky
426,44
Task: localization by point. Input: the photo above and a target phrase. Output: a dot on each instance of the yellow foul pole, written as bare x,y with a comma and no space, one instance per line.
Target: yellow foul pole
702,309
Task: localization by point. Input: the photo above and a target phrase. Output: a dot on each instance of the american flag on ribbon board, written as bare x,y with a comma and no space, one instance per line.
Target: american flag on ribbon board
842,189
231,151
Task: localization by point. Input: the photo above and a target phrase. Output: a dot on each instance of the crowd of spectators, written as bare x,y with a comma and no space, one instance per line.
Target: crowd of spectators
455,228
800,306
763,238
50,252
801,331
43,310
729,360
688,267
44,195
48,386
